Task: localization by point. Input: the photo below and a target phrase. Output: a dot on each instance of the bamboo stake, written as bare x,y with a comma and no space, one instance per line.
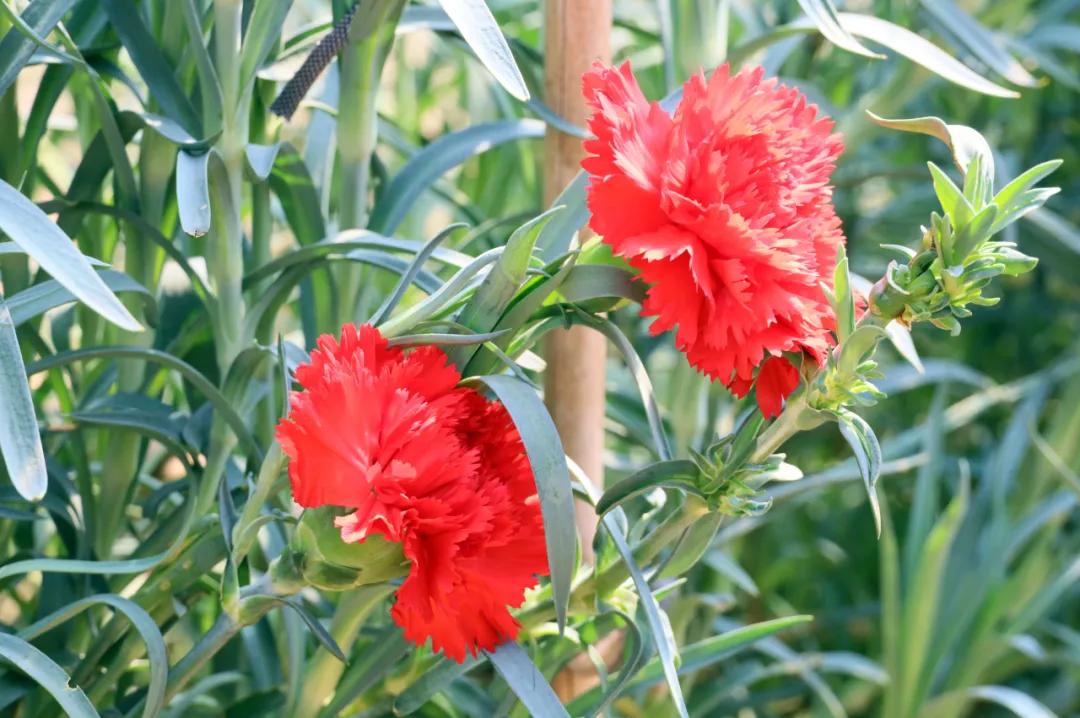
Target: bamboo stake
577,32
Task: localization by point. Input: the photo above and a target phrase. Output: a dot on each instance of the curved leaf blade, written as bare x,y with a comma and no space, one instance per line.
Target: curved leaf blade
20,443
478,28
526,680
155,644
548,460
824,15
193,192
445,153
48,675
920,51
32,230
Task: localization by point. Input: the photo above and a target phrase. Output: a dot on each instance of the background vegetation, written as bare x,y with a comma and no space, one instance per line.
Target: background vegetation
966,606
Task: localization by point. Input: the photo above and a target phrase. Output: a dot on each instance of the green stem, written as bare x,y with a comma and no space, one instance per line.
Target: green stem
120,462
269,473
262,225
223,630
222,443
227,240
360,65
324,670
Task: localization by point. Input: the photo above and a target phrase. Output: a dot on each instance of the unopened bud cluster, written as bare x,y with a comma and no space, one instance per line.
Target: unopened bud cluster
958,257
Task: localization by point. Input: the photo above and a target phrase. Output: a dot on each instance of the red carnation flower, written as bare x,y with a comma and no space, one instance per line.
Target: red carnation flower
426,463
725,210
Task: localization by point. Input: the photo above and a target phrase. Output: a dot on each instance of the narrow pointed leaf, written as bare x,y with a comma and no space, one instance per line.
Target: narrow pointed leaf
20,443
824,15
153,66
156,654
478,28
39,237
920,51
16,49
546,455
46,673
526,680
193,192
437,158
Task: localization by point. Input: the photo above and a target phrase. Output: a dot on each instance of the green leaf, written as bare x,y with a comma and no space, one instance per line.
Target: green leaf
637,370
478,28
824,15
1015,701
920,51
20,443
369,668
491,298
409,276
292,183
923,599
140,413
692,545
260,160
587,282
143,623
969,148
153,356
50,294
558,235
153,66
843,298
548,461
526,680
674,474
860,437
1008,198
16,50
659,626
209,83
32,230
48,675
314,625
900,336
443,340
950,196
431,682
146,231
263,31
175,133
345,243
859,346
702,654
434,160
193,192
982,43
449,293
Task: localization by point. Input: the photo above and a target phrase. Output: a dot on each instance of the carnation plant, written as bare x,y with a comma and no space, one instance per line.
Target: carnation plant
271,326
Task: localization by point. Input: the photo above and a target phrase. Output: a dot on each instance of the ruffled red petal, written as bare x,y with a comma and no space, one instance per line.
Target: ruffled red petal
726,212
776,379
434,466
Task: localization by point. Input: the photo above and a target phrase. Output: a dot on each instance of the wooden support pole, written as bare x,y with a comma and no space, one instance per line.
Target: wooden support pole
576,32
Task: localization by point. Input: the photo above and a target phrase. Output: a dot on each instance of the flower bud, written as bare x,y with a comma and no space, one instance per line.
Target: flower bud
322,559
1013,262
